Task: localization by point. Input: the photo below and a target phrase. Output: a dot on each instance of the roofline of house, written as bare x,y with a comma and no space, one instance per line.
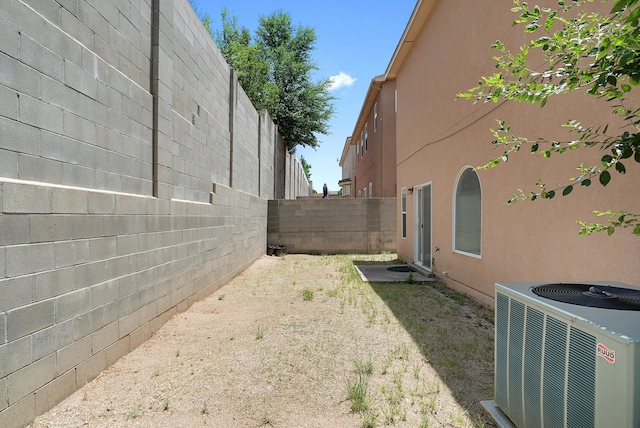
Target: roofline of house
369,100
345,151
419,16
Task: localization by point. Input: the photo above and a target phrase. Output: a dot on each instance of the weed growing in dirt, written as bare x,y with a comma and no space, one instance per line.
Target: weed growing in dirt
133,413
364,367
307,294
369,419
259,333
357,392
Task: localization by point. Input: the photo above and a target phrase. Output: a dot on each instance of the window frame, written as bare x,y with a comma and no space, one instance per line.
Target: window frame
375,117
403,211
366,137
454,214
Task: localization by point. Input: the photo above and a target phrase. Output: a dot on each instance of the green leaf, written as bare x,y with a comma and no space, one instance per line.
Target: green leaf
567,190
550,194
549,21
606,160
534,148
586,182
544,101
605,177
626,88
620,168
637,155
619,5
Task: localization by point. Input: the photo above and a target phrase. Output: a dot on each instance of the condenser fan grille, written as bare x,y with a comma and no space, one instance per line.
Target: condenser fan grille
594,296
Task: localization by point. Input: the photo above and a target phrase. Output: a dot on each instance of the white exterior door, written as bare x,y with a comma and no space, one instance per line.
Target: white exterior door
422,226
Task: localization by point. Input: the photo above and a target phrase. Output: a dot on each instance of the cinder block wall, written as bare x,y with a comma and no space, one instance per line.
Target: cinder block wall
134,179
333,225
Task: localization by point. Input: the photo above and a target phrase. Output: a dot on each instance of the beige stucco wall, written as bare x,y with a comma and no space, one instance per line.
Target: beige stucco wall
438,136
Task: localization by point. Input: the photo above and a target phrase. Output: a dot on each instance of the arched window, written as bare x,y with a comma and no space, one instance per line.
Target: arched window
467,225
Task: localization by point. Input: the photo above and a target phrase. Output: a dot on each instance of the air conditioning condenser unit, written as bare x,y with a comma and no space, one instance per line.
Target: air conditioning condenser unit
568,355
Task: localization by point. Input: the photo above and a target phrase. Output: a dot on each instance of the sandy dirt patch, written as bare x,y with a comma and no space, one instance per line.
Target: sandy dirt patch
301,341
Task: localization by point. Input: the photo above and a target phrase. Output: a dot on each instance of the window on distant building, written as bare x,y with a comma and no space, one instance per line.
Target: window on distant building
395,101
357,153
467,233
364,193
403,211
375,117
370,189
366,137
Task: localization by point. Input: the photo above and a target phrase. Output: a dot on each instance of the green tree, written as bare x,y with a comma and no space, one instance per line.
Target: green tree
584,50
275,69
306,167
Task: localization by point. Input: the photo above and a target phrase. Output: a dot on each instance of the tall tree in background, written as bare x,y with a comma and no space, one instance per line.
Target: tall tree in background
306,167
598,53
274,68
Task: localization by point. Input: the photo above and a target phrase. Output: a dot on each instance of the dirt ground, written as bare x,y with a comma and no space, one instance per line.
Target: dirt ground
301,341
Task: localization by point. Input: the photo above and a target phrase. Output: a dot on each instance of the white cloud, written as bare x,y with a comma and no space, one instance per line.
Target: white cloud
342,79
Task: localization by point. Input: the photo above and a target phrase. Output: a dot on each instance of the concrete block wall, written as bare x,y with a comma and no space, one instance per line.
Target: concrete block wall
82,286
133,181
76,109
333,225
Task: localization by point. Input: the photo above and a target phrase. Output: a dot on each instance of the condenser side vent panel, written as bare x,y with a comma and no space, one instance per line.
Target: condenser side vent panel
545,369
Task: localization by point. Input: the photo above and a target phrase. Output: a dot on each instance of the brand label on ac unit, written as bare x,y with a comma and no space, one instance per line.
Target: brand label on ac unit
606,353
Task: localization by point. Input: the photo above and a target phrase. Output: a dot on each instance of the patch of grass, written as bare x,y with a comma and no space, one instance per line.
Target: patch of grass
165,404
132,414
363,367
416,371
259,333
358,392
402,351
369,419
307,294
424,423
221,297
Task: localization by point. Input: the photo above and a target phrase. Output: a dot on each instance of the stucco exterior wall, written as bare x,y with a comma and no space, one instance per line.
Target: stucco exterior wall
437,137
134,179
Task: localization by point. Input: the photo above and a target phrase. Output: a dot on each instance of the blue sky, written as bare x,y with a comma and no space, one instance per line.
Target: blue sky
355,41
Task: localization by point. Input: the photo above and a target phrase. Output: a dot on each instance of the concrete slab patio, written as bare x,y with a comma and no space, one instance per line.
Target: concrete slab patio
389,273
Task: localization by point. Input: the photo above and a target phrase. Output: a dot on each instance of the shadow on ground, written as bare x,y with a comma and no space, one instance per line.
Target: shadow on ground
454,334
